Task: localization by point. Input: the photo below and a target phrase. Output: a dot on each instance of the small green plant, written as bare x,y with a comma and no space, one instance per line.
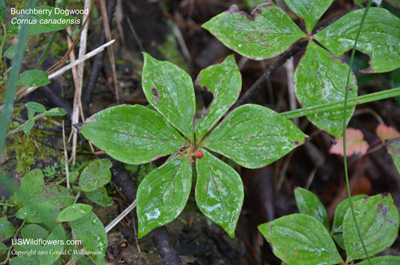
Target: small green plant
44,208
306,238
253,136
320,77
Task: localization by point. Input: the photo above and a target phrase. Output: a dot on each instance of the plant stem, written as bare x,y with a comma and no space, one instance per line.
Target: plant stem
338,105
77,197
4,39
14,238
344,131
7,204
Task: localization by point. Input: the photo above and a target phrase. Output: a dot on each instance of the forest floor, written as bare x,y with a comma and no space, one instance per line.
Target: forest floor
171,30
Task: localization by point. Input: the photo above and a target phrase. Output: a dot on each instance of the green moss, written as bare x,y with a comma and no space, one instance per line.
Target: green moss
22,149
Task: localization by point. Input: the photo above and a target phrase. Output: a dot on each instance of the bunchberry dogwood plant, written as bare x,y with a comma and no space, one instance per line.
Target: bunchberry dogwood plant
251,135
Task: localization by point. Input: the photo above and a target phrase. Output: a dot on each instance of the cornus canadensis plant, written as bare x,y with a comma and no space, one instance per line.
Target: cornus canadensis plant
307,238
320,79
251,135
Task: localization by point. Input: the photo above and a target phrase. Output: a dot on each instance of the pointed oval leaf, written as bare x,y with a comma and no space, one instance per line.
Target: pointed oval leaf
7,229
320,79
300,239
309,204
57,196
30,184
341,210
219,192
11,51
53,251
34,231
163,194
132,134
33,78
74,212
378,221
384,260
379,38
34,107
254,136
100,197
39,213
95,175
56,112
266,34
90,230
46,19
393,147
309,11
224,82
170,91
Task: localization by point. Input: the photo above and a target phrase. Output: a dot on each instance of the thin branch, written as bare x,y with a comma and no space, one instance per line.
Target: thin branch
273,67
66,68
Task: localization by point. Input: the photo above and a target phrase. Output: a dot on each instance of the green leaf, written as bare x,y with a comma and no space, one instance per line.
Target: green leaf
7,229
46,20
393,147
28,126
268,32
57,196
34,107
3,248
31,183
219,192
10,52
100,197
2,11
340,211
74,212
384,260
33,78
91,232
224,82
24,261
39,213
320,79
300,239
95,175
378,220
34,231
30,249
254,136
56,112
309,11
309,204
53,251
170,91
379,38
163,194
132,134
